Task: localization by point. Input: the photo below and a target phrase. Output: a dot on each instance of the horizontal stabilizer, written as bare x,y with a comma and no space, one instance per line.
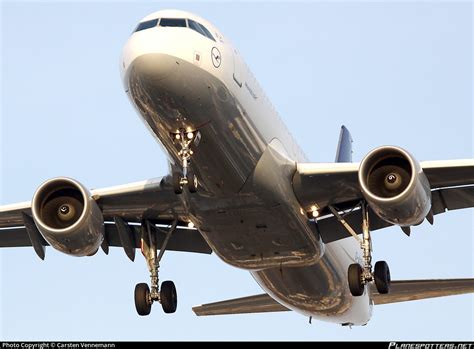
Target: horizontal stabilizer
400,291
262,303
411,290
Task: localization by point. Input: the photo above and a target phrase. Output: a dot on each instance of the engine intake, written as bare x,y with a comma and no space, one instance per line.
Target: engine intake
395,186
67,217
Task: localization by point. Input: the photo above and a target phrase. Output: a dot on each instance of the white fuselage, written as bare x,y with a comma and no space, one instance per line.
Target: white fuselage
178,79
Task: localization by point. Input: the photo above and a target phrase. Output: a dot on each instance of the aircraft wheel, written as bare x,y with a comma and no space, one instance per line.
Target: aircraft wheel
354,274
142,295
168,297
192,182
382,277
177,187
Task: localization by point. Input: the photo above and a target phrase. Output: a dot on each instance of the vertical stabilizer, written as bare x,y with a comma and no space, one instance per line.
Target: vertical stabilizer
344,147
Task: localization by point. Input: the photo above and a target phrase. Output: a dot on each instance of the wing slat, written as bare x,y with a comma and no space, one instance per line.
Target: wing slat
153,200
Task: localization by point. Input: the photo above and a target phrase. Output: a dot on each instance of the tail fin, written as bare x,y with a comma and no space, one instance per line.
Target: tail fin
344,147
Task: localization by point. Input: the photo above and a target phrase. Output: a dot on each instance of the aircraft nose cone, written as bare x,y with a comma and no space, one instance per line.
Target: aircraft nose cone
153,67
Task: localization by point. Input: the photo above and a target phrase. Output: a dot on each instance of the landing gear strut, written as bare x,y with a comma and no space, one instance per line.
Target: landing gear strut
187,177
359,276
145,296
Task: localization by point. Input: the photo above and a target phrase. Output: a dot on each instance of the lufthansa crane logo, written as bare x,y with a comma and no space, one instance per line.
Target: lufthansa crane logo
216,57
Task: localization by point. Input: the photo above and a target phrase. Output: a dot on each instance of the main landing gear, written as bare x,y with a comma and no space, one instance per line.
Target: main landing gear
359,276
187,177
145,296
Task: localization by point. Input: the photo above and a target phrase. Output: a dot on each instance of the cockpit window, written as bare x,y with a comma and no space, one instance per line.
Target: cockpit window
200,29
195,26
173,22
176,22
208,33
147,25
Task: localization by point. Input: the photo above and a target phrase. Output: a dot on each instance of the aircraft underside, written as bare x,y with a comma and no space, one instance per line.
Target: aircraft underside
239,186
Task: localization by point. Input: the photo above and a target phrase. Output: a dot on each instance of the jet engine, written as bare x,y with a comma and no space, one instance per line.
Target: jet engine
394,185
68,217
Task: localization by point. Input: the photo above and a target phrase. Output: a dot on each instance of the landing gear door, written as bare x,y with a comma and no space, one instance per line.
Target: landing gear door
237,69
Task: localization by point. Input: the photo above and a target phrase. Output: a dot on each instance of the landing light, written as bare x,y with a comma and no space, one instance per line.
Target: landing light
190,225
177,136
190,135
314,211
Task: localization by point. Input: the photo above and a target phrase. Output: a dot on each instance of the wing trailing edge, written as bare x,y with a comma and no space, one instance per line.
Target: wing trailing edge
411,290
261,303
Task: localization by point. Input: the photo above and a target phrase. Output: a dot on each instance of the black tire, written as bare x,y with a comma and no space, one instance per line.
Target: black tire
192,182
168,297
382,277
177,187
142,293
354,276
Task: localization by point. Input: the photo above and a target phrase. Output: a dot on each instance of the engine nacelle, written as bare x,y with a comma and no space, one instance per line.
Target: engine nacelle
394,185
67,217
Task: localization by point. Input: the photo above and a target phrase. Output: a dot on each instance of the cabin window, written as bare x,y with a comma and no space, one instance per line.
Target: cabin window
147,25
173,22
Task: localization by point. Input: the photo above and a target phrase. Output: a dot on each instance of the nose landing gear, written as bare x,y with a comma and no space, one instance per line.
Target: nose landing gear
187,177
359,276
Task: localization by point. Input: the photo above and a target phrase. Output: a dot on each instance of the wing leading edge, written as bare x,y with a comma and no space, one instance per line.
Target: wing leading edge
323,184
128,205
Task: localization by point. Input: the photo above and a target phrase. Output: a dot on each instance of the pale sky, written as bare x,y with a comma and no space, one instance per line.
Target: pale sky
393,72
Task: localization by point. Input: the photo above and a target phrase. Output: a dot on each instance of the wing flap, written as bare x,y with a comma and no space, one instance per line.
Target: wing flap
183,239
331,229
15,237
452,199
410,290
262,303
443,199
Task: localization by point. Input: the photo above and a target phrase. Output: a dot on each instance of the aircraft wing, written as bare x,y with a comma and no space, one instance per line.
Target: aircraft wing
336,184
400,291
122,206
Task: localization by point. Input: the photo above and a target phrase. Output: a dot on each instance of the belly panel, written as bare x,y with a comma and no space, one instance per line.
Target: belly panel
320,290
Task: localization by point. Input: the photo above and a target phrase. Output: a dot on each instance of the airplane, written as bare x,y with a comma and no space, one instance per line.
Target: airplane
240,187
